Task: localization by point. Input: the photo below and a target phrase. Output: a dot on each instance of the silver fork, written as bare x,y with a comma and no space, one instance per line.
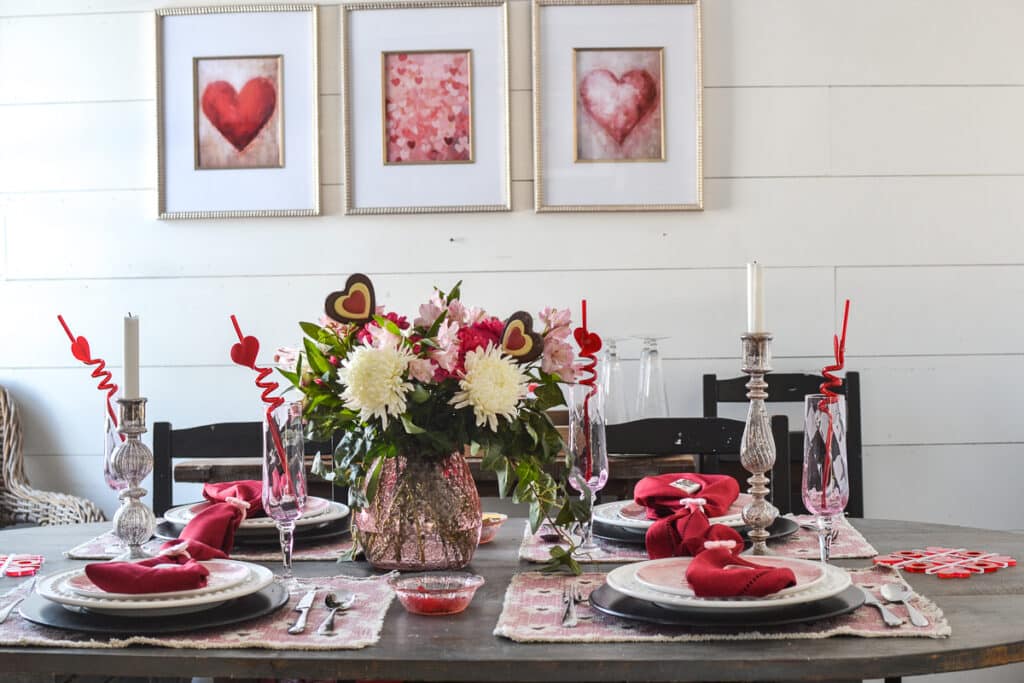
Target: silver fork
569,597
9,607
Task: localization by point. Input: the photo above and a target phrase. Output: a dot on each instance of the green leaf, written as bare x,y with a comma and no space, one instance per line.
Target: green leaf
419,394
410,427
456,293
292,377
536,516
474,448
311,330
317,362
388,325
533,434
435,327
373,481
504,478
548,396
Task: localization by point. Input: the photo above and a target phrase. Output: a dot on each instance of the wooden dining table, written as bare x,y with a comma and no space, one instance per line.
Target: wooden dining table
984,612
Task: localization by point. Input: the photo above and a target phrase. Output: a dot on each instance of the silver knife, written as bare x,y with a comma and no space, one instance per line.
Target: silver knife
569,618
302,608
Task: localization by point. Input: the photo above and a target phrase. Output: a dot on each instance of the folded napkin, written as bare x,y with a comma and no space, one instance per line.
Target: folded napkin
682,527
211,533
718,572
160,574
249,490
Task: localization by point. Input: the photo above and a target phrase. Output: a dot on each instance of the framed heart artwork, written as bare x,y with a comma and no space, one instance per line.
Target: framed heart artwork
617,105
237,111
426,106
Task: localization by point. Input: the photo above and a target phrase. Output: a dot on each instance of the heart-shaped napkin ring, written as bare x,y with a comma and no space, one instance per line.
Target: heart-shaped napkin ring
240,504
355,304
179,550
711,545
518,339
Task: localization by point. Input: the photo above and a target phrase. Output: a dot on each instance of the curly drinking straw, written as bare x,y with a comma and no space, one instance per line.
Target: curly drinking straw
268,388
590,344
80,350
831,383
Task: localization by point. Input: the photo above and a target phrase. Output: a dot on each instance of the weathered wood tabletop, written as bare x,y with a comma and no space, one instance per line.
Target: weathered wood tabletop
984,612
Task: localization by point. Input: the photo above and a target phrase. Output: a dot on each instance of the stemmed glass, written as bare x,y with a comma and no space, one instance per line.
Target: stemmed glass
611,379
284,477
825,485
111,440
651,399
587,455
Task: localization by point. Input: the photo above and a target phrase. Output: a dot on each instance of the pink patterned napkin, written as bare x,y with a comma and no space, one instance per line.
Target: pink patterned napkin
106,546
533,614
360,628
804,543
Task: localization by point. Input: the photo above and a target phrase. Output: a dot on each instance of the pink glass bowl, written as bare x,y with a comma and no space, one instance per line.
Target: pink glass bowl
434,594
492,521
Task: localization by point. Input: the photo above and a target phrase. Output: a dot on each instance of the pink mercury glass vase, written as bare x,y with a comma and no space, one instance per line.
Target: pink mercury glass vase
425,515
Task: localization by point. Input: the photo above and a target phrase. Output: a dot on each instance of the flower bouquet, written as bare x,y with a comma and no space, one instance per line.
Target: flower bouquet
405,401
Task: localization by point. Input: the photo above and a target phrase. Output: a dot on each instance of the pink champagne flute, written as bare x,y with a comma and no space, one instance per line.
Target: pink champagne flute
284,477
825,485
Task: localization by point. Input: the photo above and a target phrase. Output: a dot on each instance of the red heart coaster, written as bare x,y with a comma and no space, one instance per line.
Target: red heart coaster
589,342
354,304
519,340
80,350
245,351
240,116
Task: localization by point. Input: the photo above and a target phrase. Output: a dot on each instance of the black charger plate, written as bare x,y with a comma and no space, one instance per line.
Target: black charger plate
39,610
780,528
610,601
169,531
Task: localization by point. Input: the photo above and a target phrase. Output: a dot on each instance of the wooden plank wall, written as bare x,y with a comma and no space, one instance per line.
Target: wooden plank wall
869,149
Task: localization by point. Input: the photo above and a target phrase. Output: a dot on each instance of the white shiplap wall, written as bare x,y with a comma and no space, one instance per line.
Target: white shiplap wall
870,150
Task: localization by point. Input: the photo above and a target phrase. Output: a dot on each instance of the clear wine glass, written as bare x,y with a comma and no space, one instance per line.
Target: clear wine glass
587,455
284,477
825,485
651,399
612,383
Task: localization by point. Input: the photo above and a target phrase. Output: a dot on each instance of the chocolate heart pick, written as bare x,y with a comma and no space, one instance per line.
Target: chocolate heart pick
354,304
519,340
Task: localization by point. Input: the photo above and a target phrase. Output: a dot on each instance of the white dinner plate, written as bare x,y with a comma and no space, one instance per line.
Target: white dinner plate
260,526
668,575
628,515
183,514
223,574
624,580
55,589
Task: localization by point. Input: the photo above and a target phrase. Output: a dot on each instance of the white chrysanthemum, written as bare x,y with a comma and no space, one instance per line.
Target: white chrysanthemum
492,385
374,383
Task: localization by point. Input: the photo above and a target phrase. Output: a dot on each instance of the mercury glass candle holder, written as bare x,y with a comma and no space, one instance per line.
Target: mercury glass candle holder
757,450
132,462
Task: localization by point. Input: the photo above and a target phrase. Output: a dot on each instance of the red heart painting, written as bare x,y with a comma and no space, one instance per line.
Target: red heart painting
618,104
245,352
240,116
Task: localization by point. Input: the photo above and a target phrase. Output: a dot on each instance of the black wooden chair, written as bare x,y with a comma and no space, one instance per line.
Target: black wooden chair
706,437
791,388
221,440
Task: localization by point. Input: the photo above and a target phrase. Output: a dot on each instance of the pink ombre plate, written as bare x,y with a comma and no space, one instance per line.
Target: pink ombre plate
668,575
223,574
626,513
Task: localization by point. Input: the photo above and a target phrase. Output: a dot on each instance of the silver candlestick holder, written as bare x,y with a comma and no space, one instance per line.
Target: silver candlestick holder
757,451
132,462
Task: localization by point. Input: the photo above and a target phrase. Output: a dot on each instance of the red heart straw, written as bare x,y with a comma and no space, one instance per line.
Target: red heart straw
80,350
247,359
827,387
590,344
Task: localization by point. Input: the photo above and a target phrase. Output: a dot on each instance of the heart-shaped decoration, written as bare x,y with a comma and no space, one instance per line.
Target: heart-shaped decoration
618,104
354,304
519,340
245,351
589,342
240,116
80,350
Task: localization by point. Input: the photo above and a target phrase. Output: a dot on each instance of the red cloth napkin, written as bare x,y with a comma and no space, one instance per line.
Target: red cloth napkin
249,490
159,574
678,531
718,573
211,533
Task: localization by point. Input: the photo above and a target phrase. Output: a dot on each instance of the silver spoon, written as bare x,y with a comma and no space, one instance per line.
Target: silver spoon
900,593
336,603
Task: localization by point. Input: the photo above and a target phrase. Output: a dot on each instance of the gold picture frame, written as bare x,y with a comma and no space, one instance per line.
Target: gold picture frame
541,203
350,203
313,180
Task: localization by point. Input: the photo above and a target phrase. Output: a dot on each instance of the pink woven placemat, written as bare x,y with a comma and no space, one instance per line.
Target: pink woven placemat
804,543
106,546
533,614
356,629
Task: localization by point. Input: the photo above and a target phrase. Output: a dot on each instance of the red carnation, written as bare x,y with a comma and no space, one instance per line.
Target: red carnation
477,336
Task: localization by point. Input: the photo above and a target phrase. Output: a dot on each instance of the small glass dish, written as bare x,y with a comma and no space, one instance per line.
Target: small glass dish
492,521
435,594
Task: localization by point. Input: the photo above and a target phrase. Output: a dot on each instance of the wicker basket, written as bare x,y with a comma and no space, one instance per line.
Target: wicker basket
19,502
